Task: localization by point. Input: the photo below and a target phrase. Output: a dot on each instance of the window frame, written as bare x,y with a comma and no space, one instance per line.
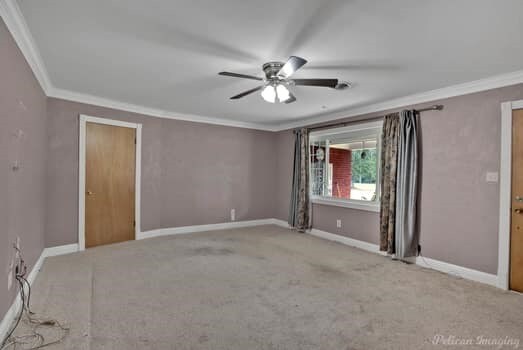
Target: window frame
340,133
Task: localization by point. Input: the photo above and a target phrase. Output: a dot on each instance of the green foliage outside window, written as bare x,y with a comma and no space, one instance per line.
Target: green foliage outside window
364,165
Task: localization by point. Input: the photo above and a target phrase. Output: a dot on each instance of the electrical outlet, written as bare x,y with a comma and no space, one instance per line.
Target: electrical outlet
338,223
233,214
10,274
17,262
9,280
492,177
17,258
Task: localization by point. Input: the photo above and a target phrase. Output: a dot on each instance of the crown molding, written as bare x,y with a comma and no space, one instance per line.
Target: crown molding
15,22
17,26
153,112
493,82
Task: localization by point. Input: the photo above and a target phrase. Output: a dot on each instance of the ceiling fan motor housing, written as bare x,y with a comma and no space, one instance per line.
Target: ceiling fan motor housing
271,69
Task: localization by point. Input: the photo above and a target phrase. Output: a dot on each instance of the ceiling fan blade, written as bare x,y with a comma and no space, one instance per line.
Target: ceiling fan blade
291,99
354,66
292,65
238,75
316,82
245,93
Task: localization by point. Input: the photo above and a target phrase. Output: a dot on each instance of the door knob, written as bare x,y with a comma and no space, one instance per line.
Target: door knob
518,211
90,193
519,198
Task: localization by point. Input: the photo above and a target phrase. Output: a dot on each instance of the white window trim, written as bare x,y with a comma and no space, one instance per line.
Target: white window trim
320,134
373,206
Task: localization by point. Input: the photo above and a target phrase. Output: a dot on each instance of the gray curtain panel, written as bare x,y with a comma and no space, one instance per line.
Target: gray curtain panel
407,235
389,157
300,213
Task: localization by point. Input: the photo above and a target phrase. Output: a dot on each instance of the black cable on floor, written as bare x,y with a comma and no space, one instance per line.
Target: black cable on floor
11,341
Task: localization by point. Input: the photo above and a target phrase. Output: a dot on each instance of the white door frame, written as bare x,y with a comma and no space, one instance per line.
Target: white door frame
505,191
81,174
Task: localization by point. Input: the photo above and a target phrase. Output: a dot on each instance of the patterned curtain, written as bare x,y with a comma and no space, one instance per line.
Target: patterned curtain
389,163
300,207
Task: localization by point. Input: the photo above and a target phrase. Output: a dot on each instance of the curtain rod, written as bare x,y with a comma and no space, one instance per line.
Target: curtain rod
431,108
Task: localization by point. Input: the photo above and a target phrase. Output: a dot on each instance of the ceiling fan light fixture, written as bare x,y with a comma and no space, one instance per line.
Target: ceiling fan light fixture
275,87
269,93
282,92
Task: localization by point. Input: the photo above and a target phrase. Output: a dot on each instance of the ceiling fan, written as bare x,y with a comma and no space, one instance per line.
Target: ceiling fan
278,78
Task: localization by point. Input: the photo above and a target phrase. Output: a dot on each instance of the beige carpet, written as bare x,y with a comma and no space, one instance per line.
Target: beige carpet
263,288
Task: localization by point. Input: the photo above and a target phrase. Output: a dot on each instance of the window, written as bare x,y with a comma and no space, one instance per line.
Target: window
344,166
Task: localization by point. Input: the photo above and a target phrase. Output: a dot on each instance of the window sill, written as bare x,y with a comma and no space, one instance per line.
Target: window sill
352,204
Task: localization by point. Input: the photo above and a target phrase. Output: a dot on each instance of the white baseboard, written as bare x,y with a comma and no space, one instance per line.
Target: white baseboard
60,250
370,247
451,269
281,223
9,318
459,271
12,312
200,228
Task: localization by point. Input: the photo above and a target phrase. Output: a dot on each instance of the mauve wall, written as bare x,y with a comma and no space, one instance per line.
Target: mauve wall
459,209
192,173
22,193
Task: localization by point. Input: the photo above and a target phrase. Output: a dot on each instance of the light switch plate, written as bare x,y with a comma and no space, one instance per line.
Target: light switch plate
492,177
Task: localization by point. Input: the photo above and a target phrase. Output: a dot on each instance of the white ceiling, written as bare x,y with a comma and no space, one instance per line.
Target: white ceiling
166,54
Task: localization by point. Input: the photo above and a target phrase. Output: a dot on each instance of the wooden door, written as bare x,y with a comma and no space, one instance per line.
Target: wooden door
516,232
109,184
